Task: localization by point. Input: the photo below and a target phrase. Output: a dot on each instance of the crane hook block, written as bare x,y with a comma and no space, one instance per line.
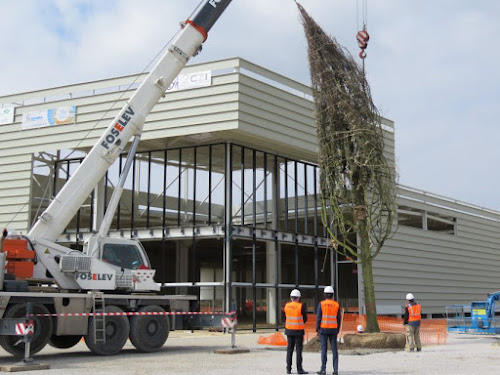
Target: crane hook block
363,37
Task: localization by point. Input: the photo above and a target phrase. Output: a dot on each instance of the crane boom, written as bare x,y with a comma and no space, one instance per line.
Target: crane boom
116,266
129,122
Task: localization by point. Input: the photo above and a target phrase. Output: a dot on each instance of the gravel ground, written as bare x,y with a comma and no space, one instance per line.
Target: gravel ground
193,353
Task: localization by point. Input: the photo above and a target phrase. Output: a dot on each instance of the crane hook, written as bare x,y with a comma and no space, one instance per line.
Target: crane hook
362,37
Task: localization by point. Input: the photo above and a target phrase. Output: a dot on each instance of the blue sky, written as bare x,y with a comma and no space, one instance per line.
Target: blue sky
432,65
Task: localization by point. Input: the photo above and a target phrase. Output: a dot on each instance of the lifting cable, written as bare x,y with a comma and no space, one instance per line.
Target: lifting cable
362,36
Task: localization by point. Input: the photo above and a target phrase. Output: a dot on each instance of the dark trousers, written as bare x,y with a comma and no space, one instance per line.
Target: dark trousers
294,341
324,349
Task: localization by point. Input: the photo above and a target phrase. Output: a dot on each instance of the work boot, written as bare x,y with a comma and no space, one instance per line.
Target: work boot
321,372
419,349
288,370
301,371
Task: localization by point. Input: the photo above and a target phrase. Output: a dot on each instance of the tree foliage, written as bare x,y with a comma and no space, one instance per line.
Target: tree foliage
357,183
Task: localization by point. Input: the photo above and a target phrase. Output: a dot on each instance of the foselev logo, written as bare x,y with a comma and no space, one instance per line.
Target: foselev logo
115,131
93,276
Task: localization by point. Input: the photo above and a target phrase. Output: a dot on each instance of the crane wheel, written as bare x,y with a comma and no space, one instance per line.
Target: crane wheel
64,342
116,329
41,336
148,333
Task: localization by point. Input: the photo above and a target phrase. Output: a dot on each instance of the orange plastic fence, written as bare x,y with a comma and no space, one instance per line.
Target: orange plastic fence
432,331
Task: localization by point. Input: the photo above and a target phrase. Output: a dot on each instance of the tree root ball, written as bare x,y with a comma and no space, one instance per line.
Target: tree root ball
381,340
363,343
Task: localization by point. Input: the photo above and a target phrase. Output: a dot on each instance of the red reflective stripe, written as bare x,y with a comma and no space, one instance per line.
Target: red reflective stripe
200,29
133,313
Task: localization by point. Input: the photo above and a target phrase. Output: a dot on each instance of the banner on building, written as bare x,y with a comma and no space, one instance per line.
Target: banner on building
6,114
191,81
49,117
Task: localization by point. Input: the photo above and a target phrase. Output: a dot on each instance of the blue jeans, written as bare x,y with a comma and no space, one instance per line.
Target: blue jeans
324,348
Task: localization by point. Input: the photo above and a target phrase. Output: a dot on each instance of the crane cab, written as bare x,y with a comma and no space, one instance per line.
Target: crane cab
127,257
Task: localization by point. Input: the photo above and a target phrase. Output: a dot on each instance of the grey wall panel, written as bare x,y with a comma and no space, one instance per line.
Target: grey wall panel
12,192
16,175
16,184
14,206
224,124
440,268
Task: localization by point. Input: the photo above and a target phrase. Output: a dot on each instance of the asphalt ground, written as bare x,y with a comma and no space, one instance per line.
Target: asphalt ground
193,353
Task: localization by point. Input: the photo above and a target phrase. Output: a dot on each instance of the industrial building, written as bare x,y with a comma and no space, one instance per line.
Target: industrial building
224,196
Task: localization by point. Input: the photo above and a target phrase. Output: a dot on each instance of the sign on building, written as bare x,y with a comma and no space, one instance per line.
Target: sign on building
49,117
7,114
191,81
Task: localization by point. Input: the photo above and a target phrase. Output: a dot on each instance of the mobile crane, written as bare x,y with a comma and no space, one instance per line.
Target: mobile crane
111,273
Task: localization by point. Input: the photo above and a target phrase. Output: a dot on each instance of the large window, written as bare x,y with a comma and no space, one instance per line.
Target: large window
426,220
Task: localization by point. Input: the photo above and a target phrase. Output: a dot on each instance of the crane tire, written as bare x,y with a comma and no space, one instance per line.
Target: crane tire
64,342
117,329
41,336
148,333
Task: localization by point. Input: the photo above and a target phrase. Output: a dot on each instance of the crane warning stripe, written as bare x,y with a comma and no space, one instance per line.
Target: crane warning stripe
229,322
25,328
135,313
20,328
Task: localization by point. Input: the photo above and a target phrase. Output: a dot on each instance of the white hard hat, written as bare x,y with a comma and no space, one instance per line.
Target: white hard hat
409,297
360,328
295,293
328,290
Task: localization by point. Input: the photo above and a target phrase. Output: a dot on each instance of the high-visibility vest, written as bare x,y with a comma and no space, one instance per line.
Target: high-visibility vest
329,310
414,312
294,319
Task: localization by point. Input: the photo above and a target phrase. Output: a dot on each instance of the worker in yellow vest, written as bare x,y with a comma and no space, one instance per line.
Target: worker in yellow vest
327,327
295,319
412,318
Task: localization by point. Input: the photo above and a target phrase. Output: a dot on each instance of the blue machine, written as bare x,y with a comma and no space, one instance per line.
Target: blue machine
482,317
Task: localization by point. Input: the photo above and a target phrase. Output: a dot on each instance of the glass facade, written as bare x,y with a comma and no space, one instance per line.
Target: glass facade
236,226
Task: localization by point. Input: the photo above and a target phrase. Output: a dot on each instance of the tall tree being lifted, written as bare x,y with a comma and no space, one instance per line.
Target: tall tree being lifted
357,184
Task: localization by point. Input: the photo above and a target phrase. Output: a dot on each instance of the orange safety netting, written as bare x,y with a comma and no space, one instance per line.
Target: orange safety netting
275,339
432,331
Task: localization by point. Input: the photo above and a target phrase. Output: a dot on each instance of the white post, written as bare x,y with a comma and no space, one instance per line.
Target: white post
270,275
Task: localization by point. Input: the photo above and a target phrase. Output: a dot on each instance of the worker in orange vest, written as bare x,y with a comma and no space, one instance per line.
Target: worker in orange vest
412,318
295,319
327,328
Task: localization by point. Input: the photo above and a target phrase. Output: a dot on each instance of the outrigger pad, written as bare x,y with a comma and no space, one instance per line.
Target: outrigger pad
24,367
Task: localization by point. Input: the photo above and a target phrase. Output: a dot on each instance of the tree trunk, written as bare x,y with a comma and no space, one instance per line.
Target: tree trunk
369,293
366,259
